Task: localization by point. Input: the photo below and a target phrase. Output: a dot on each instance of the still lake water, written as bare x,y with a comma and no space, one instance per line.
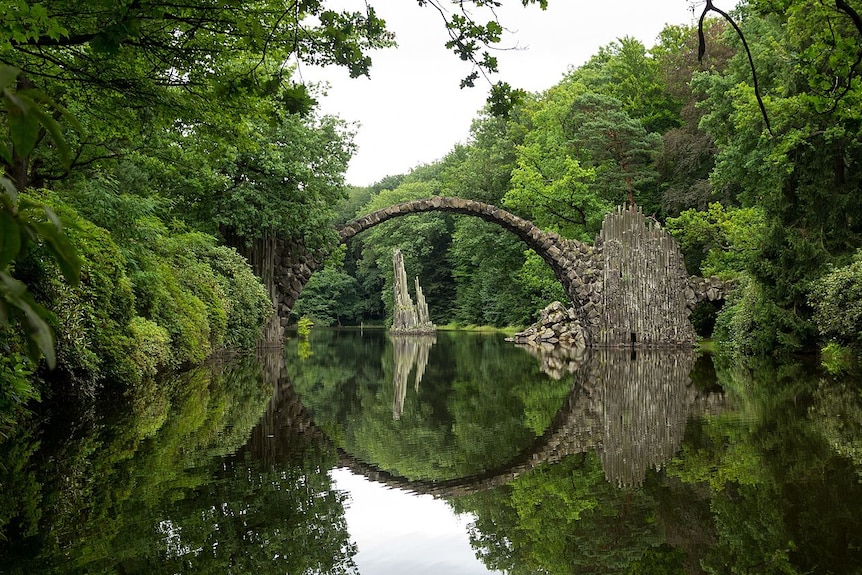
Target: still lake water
457,454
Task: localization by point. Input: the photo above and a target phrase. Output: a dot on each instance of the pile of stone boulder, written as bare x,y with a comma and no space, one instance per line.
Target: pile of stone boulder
557,325
706,289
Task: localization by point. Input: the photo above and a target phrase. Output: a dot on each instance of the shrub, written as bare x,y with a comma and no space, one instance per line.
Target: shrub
93,344
153,346
205,295
168,298
837,302
164,300
303,327
750,323
248,303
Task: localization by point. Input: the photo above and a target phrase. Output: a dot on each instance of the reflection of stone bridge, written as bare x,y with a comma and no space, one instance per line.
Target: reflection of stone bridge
631,410
629,288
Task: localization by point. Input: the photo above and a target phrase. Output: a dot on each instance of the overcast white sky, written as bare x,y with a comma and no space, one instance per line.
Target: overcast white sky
400,533
411,111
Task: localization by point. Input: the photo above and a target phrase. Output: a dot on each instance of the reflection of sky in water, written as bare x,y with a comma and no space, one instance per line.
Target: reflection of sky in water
398,532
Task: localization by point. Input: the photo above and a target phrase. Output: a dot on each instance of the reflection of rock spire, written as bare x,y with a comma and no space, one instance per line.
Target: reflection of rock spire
644,403
408,351
406,317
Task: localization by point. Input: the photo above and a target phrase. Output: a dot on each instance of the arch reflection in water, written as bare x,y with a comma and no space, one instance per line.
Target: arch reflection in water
408,351
630,409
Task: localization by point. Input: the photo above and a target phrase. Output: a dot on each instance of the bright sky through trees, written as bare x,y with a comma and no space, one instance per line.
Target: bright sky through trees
412,111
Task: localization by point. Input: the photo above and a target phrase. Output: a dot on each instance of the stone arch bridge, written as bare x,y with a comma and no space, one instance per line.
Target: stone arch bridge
629,288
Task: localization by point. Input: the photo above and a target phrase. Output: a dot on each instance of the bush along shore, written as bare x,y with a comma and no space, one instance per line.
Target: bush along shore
152,297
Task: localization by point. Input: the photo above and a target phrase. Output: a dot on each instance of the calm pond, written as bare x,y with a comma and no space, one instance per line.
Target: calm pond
453,454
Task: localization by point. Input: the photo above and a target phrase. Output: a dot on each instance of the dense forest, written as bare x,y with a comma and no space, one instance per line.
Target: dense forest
144,143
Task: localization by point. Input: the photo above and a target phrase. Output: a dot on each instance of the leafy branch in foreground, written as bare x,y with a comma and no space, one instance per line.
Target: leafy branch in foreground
24,221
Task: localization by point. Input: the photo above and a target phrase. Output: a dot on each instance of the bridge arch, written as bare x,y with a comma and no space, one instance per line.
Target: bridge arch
629,289
576,265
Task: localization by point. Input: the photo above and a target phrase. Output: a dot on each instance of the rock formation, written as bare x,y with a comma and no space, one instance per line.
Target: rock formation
408,318
557,325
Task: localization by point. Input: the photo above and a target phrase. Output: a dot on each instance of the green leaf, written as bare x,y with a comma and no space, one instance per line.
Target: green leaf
53,128
52,217
41,101
23,126
10,239
62,250
8,76
6,154
41,337
11,190
26,204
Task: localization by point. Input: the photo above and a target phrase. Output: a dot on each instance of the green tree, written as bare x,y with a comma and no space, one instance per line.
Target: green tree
162,64
632,74
286,184
550,186
804,171
836,301
617,146
331,296
718,241
688,151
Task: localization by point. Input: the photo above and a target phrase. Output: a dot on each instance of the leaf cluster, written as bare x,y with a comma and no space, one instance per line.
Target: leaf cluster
24,221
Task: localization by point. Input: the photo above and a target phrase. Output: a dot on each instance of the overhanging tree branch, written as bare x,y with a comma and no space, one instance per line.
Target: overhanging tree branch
701,50
843,6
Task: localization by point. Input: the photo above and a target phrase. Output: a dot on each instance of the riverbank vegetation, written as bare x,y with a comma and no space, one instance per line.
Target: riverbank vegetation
168,139
136,140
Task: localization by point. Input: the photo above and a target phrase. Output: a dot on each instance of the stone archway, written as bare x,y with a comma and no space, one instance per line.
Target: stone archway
629,289
576,265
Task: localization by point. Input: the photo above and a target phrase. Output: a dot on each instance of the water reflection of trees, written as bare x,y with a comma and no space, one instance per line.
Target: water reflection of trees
766,482
631,410
152,487
480,402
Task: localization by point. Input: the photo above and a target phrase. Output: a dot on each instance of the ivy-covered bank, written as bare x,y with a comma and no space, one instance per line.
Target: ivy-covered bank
152,297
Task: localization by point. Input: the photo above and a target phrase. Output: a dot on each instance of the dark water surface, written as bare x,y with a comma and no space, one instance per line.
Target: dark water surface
458,453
